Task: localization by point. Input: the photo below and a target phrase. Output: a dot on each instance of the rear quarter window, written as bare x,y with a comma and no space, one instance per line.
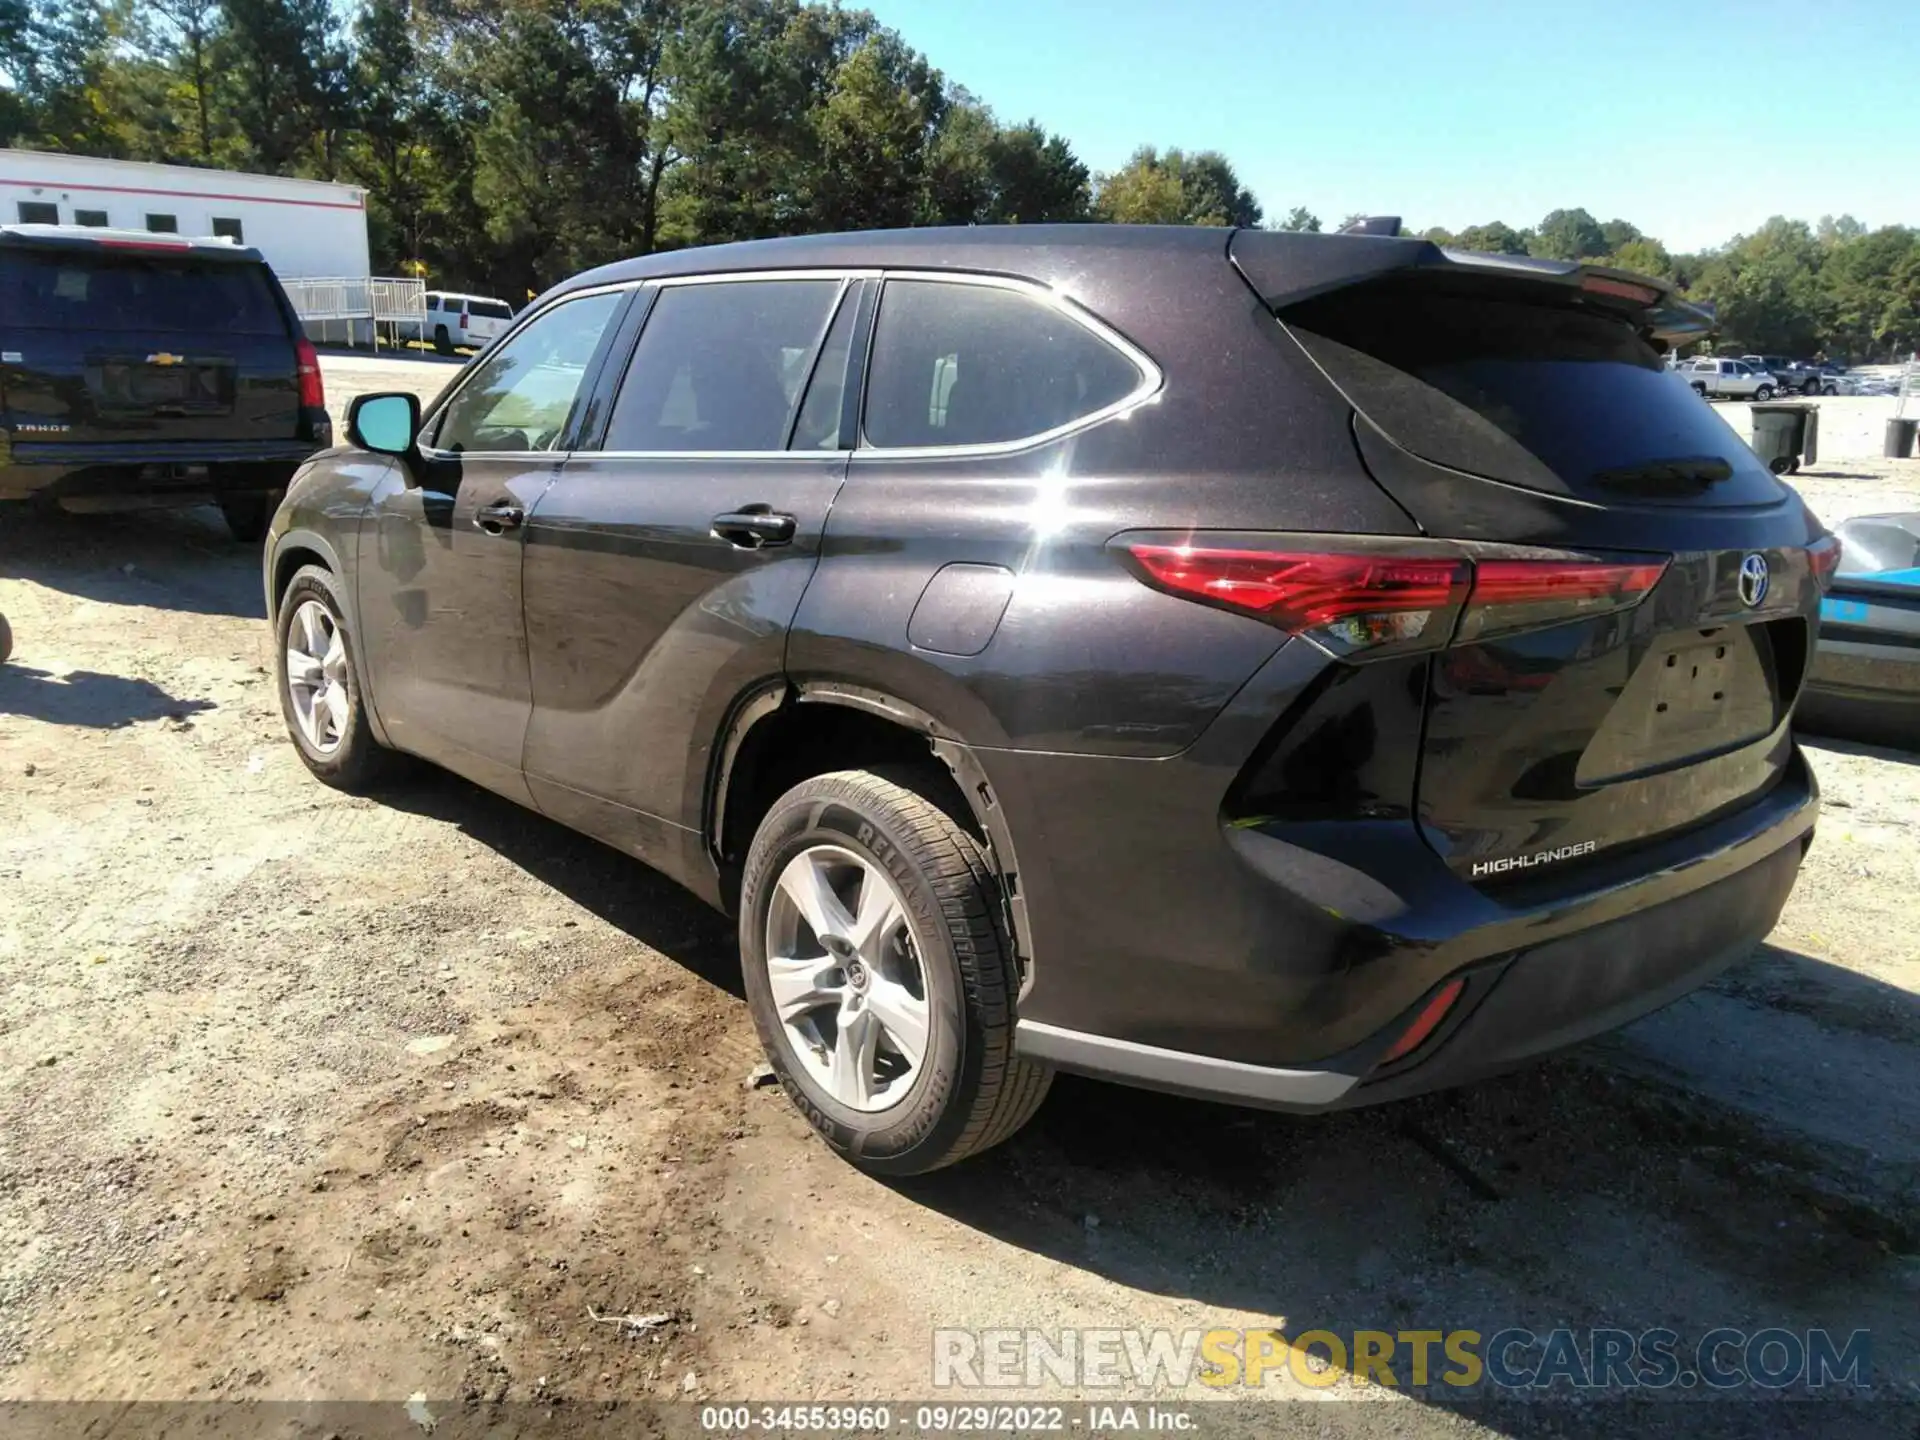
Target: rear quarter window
492,309
966,364
79,290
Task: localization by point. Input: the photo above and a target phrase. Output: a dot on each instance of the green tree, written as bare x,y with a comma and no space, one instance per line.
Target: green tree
1036,178
1301,219
1494,239
284,80
1645,257
1618,234
1568,235
1175,189
875,130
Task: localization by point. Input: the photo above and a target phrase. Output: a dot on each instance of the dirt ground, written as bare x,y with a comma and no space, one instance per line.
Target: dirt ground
305,1096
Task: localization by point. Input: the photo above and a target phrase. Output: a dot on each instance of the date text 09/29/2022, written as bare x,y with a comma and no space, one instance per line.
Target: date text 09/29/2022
963,1419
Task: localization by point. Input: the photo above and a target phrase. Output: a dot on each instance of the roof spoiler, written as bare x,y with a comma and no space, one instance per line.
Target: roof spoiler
1287,267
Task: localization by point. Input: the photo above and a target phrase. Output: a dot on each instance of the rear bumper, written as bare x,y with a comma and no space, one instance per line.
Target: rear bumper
31,469
1512,1009
1276,965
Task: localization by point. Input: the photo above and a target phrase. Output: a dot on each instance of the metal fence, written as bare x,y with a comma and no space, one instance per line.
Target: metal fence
361,305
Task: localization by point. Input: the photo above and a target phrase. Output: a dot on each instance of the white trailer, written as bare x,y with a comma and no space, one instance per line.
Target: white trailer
305,228
312,232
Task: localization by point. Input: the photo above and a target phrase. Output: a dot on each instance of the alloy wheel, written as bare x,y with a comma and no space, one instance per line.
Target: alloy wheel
846,977
317,676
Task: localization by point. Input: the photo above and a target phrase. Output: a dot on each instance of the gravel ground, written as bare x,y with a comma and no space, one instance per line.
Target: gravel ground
304,1096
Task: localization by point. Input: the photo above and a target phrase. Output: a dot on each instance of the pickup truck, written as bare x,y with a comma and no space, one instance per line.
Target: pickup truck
1726,379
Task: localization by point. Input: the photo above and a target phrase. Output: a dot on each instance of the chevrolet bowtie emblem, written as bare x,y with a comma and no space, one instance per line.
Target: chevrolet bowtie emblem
163,358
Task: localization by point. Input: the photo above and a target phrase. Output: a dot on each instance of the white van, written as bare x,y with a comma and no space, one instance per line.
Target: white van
454,320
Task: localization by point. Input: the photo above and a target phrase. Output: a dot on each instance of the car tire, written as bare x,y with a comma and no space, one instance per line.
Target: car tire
1829,389
835,836
1781,464
1812,387
1763,394
442,342
338,745
1700,390
248,515
6,640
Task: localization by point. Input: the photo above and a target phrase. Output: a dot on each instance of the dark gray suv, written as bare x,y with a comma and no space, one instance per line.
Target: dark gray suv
1296,669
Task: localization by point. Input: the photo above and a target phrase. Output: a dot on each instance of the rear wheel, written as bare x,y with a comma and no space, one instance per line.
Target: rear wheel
878,975
1700,390
248,515
442,342
320,687
6,640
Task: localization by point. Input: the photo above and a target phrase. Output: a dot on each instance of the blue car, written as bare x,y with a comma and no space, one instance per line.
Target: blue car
1865,680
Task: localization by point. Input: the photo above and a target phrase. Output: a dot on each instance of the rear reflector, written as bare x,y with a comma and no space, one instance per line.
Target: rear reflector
1823,558
1425,1023
306,361
1352,597
1346,602
1511,595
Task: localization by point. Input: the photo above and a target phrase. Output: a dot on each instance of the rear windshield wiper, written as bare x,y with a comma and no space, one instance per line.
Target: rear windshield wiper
1683,475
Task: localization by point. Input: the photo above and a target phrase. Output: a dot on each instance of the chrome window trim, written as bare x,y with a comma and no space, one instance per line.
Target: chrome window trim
1152,378
519,322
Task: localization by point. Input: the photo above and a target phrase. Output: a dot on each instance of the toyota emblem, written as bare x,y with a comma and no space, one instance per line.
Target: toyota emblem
1753,580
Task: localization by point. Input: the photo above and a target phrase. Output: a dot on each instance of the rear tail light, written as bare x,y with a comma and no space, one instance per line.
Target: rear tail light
464,321
1511,595
1346,602
306,364
1349,597
1823,558
1426,1022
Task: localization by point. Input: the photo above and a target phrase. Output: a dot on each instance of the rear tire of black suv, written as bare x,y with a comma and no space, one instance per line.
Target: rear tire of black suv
248,515
909,952
327,726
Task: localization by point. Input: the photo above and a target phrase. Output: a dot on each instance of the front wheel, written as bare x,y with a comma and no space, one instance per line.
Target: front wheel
1812,387
320,687
879,975
1829,389
1764,393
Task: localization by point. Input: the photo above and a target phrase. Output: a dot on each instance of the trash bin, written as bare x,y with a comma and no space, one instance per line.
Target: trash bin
1900,438
1783,435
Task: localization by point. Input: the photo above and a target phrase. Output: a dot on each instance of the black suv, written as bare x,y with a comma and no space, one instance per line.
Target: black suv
140,369
1296,669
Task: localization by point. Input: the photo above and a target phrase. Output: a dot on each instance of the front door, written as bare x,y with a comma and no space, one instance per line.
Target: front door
664,570
440,561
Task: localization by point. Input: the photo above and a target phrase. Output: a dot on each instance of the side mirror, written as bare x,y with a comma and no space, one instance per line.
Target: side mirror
384,424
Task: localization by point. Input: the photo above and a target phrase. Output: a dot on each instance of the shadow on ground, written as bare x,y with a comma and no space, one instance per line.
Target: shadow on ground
628,895
84,697
181,560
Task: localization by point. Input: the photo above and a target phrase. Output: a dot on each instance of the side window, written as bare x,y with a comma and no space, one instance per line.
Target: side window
521,394
719,366
820,413
960,364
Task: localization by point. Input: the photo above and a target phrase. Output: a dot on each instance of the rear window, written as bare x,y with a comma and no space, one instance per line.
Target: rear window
75,290
492,309
1538,395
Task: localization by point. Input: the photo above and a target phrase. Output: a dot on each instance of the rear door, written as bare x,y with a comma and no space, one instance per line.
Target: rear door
663,571
147,344
1643,595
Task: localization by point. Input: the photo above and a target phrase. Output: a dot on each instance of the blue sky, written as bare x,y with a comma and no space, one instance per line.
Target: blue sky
1693,120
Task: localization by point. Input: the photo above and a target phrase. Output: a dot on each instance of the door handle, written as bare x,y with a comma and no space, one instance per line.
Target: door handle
500,517
754,527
